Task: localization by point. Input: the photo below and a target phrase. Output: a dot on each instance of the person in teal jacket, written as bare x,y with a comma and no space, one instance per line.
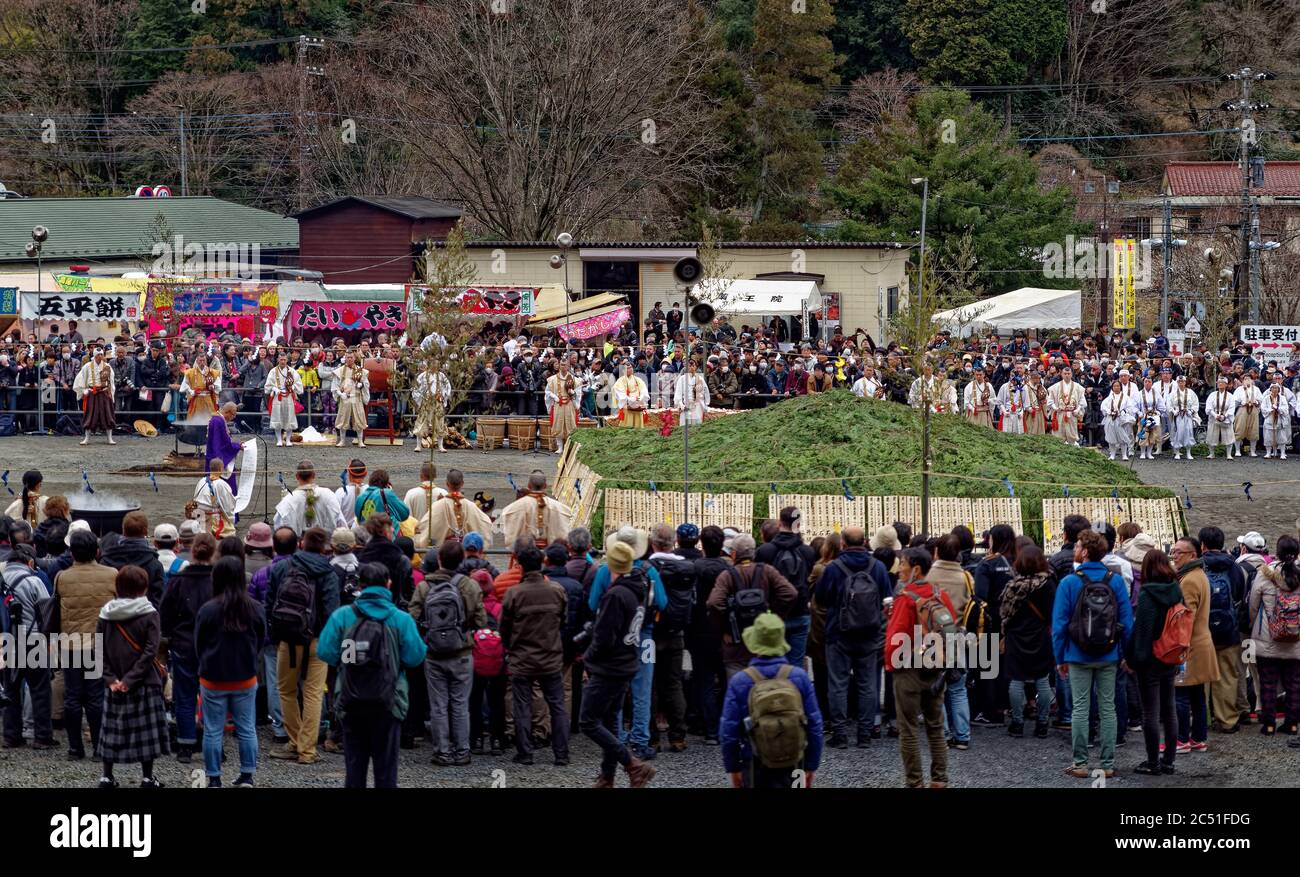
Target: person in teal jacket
1084,670
372,735
379,497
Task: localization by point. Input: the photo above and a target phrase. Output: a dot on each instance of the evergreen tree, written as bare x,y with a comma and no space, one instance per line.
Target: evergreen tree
984,42
981,185
793,66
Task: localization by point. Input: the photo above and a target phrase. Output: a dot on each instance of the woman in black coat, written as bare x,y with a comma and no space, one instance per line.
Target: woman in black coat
1025,613
991,577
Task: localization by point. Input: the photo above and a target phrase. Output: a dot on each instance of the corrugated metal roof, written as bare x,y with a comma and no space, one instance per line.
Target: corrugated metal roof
103,228
676,245
410,206
1225,178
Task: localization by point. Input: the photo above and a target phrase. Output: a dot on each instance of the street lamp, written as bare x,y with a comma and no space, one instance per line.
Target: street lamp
924,183
565,242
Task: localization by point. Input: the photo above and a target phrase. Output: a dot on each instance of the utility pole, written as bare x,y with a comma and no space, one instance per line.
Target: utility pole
185,186
1248,269
1166,234
924,182
305,70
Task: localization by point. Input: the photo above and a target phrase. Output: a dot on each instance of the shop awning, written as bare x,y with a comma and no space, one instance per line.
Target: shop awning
774,298
550,309
588,324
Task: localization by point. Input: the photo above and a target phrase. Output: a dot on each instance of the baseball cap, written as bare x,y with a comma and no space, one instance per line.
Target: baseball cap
166,533
1252,540
473,541
259,535
688,532
189,528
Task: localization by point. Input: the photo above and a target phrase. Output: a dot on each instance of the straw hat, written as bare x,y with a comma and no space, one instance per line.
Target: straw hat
145,428
639,540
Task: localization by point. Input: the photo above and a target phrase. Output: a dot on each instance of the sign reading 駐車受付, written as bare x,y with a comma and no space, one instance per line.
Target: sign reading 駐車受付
1270,341
87,306
373,316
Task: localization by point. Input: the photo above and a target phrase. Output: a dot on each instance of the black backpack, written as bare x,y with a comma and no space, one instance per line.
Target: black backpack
350,582
369,678
444,618
1094,621
859,602
678,576
790,563
293,620
747,603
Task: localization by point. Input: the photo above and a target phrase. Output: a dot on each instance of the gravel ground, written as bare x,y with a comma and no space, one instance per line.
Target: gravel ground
994,760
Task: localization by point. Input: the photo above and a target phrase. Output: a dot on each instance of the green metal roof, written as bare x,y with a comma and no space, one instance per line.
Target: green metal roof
104,228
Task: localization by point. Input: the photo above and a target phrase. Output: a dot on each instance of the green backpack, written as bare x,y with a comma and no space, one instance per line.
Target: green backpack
778,728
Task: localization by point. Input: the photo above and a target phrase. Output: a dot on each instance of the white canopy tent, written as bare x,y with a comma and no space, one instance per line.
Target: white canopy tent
768,298
1026,308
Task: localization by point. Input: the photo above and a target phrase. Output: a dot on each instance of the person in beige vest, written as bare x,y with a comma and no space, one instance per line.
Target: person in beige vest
452,515
1202,665
536,515
82,590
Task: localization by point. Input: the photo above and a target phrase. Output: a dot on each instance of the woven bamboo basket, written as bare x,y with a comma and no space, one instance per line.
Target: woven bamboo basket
491,432
522,432
547,435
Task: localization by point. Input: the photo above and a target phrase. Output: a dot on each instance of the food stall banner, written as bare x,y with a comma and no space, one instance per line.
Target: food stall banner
498,301
370,316
594,327
80,306
214,300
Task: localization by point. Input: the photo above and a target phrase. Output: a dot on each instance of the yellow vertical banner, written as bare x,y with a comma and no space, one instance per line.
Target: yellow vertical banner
1119,287
1130,299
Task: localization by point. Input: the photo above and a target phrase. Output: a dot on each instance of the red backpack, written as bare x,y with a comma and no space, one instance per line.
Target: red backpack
1175,640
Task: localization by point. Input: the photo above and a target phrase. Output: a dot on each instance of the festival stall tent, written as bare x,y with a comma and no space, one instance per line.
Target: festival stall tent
1023,309
102,306
251,309
593,317
761,298
349,311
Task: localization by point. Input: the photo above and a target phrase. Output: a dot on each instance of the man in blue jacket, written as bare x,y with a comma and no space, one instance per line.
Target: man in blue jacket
852,653
369,733
766,640
1082,668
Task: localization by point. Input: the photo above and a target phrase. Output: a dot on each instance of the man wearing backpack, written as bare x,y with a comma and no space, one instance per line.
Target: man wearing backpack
371,690
1227,600
284,542
612,660
946,572
22,591
678,577
447,606
742,593
853,588
1092,622
788,554
301,594
924,608
532,622
771,728
708,675
638,735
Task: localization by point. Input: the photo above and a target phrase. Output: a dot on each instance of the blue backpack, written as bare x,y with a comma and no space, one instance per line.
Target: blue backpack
1223,610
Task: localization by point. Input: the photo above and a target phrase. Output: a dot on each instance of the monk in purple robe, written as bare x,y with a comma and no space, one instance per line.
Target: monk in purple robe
220,447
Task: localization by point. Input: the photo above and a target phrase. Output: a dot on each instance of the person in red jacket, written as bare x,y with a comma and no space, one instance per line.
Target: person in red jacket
917,690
